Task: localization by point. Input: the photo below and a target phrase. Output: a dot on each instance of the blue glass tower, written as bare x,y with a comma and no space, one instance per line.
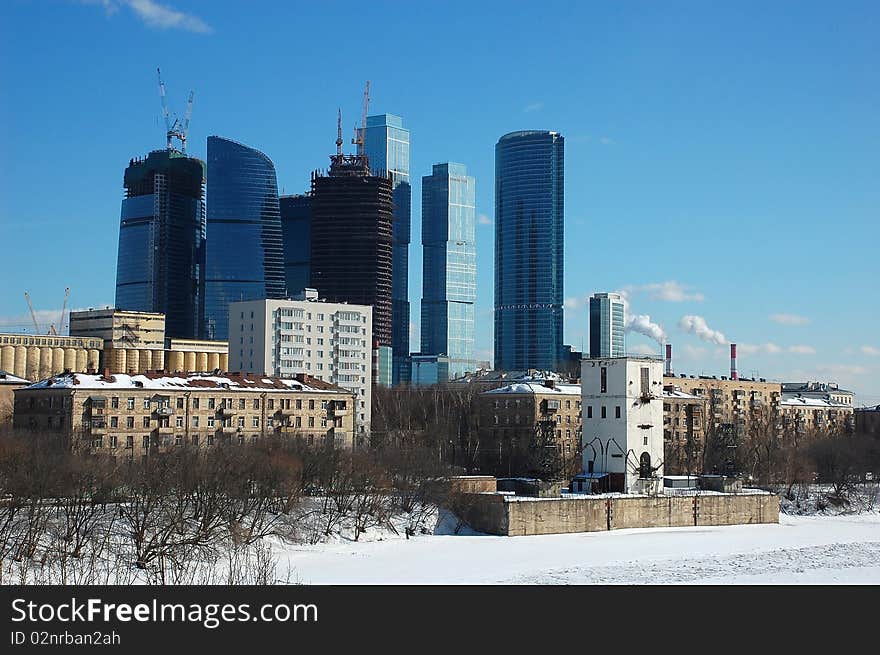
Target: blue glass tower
161,254
528,250
386,145
296,230
607,325
245,258
449,272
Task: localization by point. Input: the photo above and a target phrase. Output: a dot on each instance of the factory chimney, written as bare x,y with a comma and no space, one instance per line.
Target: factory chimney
668,370
733,373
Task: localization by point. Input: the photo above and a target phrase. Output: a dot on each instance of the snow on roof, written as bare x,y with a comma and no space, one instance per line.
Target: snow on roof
9,378
536,387
197,381
678,393
796,400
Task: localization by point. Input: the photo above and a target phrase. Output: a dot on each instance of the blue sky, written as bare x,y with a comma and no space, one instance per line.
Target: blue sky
721,161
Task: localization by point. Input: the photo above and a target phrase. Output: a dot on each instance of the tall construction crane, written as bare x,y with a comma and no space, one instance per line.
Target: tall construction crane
176,128
63,311
27,297
359,134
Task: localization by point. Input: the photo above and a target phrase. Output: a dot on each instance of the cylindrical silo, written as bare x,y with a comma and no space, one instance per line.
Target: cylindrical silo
93,359
70,359
82,360
7,359
132,361
159,359
175,361
57,361
146,360
189,361
224,362
21,363
201,361
213,361
43,363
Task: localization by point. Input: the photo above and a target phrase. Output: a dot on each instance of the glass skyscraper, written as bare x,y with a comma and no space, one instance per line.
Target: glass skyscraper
386,145
245,258
296,230
449,272
529,211
607,325
161,253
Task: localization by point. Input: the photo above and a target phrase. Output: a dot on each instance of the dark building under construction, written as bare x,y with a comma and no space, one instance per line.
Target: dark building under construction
351,238
296,232
162,240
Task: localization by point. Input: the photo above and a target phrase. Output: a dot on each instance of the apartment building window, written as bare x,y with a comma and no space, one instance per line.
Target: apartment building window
271,403
241,403
241,421
589,411
131,403
210,421
256,403
129,442
311,404
567,404
299,403
323,422
146,403
146,421
180,402
114,421
195,440
311,421
114,402
212,403
255,422
323,404
646,440
617,412
146,442
603,380
298,422
129,422
114,441
210,440
603,411
178,422
195,421
178,440
195,403
645,381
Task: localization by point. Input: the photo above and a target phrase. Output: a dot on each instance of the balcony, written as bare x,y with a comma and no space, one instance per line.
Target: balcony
226,411
97,426
164,411
336,409
229,429
290,429
165,429
288,411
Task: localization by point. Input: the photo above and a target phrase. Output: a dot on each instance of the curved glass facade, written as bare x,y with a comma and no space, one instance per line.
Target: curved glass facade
529,208
449,274
161,253
245,258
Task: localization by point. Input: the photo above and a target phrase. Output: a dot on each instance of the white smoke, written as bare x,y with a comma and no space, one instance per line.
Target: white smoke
643,324
697,326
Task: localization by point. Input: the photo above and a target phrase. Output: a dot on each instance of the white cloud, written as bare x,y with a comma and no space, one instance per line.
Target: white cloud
768,348
573,303
669,291
697,326
802,350
535,106
692,352
870,351
155,14
482,219
789,319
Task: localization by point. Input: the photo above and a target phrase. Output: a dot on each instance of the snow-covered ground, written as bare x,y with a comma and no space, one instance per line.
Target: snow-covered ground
798,550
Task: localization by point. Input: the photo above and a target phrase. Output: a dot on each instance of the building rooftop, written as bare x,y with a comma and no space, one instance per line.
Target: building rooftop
813,387
9,378
538,387
192,381
796,400
678,393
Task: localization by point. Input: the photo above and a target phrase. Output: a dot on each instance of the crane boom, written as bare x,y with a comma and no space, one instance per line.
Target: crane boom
64,308
361,133
27,297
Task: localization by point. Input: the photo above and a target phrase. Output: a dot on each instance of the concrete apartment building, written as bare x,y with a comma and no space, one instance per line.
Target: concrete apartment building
622,403
514,412
867,420
328,341
684,433
135,342
134,416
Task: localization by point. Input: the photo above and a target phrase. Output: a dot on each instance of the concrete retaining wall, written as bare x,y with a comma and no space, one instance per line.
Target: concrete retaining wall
505,515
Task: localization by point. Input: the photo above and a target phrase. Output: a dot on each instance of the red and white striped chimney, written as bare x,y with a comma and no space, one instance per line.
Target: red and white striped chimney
668,359
733,373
